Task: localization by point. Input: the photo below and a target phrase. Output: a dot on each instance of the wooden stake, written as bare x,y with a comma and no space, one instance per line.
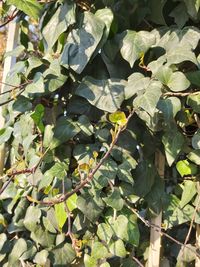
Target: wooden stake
155,236
197,260
12,37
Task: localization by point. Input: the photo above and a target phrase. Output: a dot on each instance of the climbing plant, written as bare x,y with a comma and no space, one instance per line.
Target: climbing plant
98,89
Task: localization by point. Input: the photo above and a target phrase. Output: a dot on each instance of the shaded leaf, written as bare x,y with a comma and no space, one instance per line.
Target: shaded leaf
106,95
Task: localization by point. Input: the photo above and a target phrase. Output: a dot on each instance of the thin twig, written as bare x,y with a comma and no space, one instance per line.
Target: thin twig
192,221
92,172
159,229
137,261
181,94
10,18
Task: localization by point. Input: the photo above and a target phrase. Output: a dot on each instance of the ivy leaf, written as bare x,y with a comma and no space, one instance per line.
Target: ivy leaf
38,115
37,85
169,107
5,134
176,81
114,200
30,7
90,207
63,131
133,44
19,248
41,257
61,214
106,95
117,248
62,254
173,142
82,43
189,191
144,175
186,168
105,232
196,140
136,83
32,217
59,22
148,101
194,156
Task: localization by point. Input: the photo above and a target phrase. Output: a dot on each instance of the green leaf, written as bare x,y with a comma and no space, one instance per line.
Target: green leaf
43,237
193,101
30,7
136,83
106,95
135,44
144,176
38,115
5,134
148,101
172,213
173,142
41,257
186,168
85,125
71,202
118,249
105,264
19,248
194,156
37,85
129,232
169,107
192,7
179,13
89,261
32,218
196,140
99,251
82,43
62,254
176,81
194,77
105,232
189,191
59,22
48,135
61,214
64,130
114,200
90,207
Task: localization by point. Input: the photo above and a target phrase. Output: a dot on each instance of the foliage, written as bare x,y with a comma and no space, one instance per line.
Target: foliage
83,68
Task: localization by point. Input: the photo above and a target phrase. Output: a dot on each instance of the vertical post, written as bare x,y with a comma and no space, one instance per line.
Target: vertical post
155,236
197,260
12,38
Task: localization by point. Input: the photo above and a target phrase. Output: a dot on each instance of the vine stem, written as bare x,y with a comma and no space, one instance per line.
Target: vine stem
90,176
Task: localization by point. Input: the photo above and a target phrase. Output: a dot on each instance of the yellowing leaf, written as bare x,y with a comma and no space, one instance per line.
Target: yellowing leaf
84,167
32,199
95,154
118,117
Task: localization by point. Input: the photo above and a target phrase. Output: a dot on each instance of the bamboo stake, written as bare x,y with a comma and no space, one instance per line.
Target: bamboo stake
155,236
12,37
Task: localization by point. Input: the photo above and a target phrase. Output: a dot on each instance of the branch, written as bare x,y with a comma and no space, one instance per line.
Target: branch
90,176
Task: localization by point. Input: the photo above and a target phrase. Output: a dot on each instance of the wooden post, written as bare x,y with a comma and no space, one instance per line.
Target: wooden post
12,38
155,236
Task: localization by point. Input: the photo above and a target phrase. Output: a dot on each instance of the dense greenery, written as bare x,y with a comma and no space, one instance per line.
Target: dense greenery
83,68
